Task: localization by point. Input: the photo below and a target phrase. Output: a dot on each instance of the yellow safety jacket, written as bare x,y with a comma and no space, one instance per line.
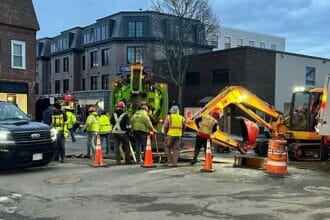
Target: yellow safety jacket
104,124
92,124
59,124
176,125
71,119
206,124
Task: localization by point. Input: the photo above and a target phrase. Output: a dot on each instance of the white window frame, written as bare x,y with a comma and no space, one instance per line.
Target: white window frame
21,43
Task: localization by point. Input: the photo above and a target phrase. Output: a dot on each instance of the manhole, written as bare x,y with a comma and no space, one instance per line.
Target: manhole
62,180
322,189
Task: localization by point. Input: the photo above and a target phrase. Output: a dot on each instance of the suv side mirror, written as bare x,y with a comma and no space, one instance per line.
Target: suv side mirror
30,116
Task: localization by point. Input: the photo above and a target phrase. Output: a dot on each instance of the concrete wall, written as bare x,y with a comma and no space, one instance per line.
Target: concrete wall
291,72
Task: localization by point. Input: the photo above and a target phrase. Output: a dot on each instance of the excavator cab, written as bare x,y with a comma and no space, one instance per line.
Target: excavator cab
304,110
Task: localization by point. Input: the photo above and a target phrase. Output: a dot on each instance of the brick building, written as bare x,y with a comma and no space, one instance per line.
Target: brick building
84,61
18,26
272,75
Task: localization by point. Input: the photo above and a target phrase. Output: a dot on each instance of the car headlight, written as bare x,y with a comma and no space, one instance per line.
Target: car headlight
6,137
53,134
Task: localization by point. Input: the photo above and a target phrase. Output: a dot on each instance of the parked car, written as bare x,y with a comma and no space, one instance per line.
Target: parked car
24,143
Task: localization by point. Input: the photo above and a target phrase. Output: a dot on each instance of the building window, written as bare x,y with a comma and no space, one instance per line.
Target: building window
105,82
310,76
135,29
57,65
94,82
192,78
65,85
17,54
227,42
57,86
94,59
37,69
83,63
59,44
174,32
105,57
134,55
36,89
83,85
273,46
66,64
220,76
251,43
86,38
239,42
262,45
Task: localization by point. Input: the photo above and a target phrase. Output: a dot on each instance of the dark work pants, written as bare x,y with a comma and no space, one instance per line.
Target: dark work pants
122,139
140,140
200,142
60,145
105,138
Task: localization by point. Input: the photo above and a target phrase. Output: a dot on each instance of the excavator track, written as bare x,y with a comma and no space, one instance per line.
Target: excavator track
304,151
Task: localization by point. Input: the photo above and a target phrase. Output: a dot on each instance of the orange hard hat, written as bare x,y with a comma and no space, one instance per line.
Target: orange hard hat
91,109
215,114
121,104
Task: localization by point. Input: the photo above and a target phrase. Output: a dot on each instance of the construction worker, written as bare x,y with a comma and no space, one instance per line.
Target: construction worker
207,125
59,123
141,125
173,128
47,116
121,126
72,120
105,128
92,128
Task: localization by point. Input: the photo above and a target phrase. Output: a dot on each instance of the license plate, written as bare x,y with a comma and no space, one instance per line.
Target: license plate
37,156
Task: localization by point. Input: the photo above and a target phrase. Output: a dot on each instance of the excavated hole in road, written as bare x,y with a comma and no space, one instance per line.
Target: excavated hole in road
62,180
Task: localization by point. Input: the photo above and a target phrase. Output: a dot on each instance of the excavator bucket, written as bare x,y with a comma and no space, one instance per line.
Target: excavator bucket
250,132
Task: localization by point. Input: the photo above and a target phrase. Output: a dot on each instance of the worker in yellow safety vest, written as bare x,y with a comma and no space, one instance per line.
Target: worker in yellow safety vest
173,128
207,125
105,129
59,123
92,128
71,121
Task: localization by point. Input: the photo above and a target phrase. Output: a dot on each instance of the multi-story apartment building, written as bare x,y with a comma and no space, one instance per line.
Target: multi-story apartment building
231,38
85,60
18,26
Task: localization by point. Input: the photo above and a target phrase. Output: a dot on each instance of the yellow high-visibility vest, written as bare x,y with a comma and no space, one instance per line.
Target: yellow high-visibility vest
175,125
104,124
206,124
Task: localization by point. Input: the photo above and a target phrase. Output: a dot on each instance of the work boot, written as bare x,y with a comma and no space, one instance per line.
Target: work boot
194,160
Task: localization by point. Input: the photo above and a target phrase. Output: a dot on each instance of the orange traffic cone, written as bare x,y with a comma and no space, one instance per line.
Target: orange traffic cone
148,161
208,158
98,157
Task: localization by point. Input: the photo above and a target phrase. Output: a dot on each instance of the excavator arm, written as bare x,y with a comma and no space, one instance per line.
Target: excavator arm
248,103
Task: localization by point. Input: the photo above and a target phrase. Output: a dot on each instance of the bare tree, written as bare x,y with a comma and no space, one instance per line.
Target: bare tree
189,28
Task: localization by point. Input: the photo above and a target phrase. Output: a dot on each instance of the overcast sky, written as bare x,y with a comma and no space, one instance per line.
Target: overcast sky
304,23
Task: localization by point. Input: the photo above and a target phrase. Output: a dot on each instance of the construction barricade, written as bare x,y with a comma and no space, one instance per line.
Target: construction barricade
98,157
277,157
148,160
208,167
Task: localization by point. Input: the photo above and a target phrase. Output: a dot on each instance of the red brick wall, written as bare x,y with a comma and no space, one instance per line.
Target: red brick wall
8,33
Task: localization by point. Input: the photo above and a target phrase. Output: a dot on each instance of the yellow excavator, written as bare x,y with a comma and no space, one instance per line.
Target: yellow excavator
298,127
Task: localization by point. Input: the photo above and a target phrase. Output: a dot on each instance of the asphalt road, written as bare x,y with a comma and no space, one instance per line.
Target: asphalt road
75,190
